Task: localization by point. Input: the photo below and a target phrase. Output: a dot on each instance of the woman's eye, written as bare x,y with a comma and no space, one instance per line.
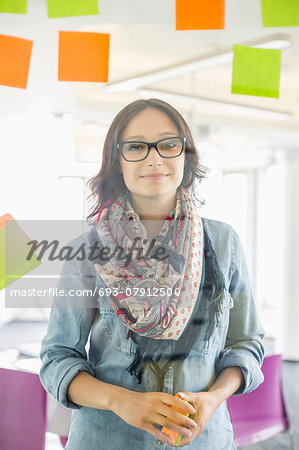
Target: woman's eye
134,148
168,145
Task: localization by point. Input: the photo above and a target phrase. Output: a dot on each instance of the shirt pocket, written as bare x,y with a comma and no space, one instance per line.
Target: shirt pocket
116,332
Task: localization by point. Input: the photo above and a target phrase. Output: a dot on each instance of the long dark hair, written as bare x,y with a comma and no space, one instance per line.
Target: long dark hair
109,182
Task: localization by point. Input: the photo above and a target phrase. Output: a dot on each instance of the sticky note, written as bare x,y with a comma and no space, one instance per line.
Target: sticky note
14,250
280,13
256,71
13,6
174,435
200,14
83,56
68,8
15,55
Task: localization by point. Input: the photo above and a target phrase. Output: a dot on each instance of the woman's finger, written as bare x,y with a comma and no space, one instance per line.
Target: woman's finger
173,426
172,414
159,435
179,403
195,433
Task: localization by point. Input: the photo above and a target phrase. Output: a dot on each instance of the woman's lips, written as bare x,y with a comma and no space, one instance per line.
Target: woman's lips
154,177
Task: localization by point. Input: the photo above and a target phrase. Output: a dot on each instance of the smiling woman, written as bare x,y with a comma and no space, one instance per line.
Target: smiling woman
185,322
147,163
108,183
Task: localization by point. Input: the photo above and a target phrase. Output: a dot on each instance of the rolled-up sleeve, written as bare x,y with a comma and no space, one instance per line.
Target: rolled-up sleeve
243,347
63,349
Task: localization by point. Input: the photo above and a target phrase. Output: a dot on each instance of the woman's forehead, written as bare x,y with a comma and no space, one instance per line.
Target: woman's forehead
148,122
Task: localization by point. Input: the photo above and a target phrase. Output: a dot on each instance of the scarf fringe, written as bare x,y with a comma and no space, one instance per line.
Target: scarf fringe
213,288
136,366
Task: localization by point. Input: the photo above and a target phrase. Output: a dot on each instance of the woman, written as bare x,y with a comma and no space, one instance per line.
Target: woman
171,307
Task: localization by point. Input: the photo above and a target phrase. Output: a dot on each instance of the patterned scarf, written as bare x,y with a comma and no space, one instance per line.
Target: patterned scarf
135,279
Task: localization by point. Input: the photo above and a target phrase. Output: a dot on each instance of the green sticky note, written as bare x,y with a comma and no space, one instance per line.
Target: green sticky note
14,253
67,8
280,13
256,71
13,6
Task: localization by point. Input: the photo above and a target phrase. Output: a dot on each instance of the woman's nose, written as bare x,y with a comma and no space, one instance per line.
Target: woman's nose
153,156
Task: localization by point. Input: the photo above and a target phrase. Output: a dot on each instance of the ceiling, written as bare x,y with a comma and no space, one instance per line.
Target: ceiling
142,39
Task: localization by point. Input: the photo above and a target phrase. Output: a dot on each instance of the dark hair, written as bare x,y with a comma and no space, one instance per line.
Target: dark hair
109,182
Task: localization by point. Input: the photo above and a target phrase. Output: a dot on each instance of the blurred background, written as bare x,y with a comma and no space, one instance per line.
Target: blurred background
51,137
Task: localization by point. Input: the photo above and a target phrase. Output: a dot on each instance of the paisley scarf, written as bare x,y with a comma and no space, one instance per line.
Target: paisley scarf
153,288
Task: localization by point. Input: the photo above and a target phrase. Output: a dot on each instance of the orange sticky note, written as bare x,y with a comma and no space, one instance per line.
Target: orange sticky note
200,14
174,435
83,56
15,55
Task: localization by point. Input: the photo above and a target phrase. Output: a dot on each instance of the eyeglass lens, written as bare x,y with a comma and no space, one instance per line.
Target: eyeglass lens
133,151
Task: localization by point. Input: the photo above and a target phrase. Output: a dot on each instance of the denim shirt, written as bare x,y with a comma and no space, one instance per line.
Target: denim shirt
235,341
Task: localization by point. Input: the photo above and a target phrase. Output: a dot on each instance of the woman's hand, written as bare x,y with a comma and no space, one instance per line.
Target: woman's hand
206,403
144,410
228,382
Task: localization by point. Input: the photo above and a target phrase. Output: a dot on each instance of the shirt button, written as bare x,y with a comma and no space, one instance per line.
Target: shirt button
159,442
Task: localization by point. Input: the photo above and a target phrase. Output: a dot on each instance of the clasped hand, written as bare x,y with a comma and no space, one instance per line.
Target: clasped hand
206,403
144,410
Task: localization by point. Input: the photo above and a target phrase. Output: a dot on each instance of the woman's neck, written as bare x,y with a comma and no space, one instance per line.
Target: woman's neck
152,208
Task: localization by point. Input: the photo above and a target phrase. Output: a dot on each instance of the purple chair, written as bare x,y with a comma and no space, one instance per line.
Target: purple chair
261,414
63,440
23,416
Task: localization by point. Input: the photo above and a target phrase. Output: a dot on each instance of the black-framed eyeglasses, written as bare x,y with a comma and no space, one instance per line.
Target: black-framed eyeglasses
170,147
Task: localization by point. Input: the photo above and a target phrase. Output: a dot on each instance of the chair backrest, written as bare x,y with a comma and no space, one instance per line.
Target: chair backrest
63,440
263,407
23,416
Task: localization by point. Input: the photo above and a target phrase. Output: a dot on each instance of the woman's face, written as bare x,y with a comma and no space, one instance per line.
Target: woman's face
151,125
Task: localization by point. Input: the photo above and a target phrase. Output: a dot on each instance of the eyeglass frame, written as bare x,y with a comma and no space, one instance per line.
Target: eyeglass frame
119,146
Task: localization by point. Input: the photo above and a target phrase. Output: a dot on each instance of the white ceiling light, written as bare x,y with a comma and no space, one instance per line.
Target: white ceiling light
279,42
67,117
221,105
